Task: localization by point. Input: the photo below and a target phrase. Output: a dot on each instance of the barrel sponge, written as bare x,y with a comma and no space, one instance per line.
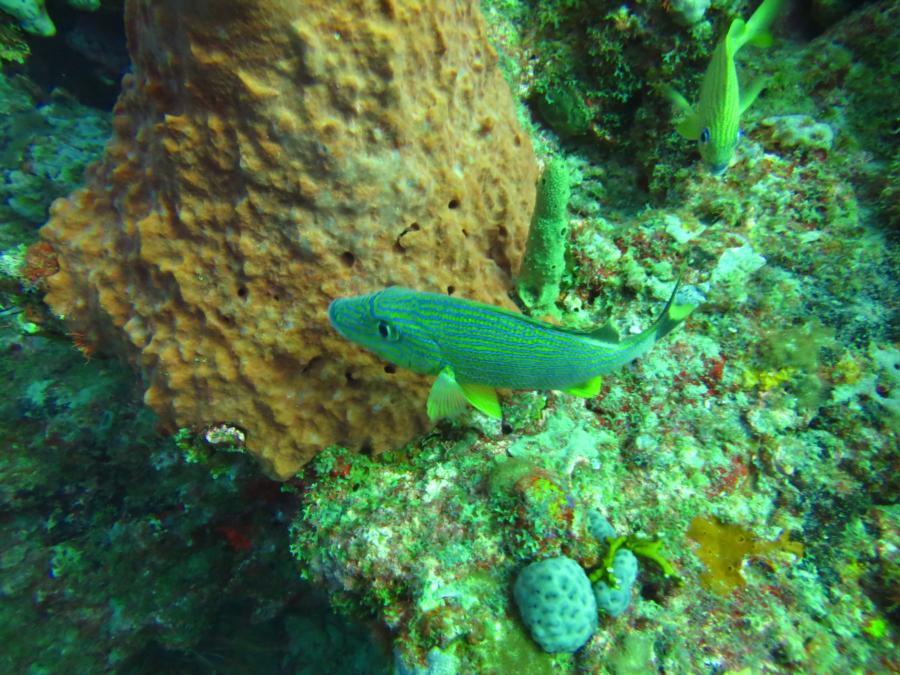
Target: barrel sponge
556,604
268,157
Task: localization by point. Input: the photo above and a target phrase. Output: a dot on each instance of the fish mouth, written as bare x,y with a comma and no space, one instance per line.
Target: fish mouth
333,308
717,169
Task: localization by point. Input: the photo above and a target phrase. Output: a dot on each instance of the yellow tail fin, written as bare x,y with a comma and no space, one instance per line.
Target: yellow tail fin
756,30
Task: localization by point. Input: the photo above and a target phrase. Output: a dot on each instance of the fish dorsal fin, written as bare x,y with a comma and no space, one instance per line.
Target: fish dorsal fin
605,333
449,398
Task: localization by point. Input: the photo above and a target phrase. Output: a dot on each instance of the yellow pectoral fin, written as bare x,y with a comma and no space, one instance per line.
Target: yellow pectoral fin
449,398
587,389
484,398
680,101
446,399
689,127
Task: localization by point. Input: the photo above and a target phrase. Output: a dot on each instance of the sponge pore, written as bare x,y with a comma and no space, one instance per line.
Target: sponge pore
556,604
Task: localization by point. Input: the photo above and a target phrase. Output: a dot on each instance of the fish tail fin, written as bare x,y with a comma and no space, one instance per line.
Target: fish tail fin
756,30
674,314
735,38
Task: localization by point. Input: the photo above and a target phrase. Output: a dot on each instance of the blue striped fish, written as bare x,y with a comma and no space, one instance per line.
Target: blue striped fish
474,348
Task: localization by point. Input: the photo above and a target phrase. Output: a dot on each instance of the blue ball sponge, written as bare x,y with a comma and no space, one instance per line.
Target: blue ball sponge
614,601
598,527
557,604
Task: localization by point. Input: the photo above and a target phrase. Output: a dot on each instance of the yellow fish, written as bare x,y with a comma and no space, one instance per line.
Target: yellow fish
715,122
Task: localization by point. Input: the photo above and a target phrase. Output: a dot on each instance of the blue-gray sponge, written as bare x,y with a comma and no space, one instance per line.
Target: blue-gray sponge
598,527
557,604
614,601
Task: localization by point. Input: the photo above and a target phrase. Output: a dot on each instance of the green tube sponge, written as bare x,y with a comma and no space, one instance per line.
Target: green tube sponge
545,251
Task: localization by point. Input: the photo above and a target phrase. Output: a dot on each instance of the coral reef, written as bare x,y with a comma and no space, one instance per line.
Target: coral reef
590,70
732,498
121,554
33,17
250,182
760,448
13,46
124,550
614,598
688,12
39,172
723,549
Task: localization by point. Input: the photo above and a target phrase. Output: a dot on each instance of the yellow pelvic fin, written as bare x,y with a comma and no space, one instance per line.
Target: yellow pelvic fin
484,398
587,389
689,127
449,398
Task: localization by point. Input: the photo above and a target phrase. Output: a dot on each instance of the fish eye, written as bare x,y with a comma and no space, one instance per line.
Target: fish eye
704,135
387,331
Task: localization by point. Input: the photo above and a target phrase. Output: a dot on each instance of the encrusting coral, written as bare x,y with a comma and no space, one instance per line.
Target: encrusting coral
250,181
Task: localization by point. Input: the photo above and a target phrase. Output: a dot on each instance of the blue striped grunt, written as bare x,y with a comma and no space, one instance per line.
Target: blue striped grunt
474,348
